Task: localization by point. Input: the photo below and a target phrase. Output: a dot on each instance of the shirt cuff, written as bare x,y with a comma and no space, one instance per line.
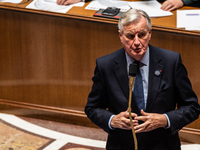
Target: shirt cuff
168,121
110,122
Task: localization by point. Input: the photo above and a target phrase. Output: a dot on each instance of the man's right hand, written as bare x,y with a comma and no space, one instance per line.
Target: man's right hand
122,120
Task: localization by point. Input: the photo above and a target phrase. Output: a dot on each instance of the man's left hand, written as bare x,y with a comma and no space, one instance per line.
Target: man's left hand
151,121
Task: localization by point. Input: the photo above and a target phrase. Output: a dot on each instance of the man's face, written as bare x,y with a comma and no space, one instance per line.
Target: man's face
135,38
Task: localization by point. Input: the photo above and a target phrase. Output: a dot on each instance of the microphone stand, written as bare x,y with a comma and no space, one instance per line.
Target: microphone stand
132,74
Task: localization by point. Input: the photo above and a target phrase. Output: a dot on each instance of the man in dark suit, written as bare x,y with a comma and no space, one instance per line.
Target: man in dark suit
165,87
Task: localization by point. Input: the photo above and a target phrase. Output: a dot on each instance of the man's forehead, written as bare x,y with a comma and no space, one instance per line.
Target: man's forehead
136,25
133,29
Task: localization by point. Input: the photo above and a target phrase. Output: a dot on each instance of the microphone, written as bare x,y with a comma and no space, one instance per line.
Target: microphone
133,69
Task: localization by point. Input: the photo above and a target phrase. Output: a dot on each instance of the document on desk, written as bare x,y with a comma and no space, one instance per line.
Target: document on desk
103,4
190,147
152,8
188,19
11,1
51,5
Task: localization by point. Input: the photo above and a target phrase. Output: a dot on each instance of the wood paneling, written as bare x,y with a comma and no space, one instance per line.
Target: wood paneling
49,60
190,135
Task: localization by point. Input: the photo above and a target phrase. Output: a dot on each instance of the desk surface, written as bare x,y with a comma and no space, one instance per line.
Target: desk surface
161,23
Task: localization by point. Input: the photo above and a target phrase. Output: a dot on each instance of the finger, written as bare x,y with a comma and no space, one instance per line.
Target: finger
122,124
63,2
139,128
172,8
168,7
142,127
126,122
127,110
164,5
58,2
144,113
141,118
134,115
126,114
125,126
67,2
135,123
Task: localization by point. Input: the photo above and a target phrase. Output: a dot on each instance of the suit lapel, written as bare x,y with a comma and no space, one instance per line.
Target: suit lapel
155,74
122,76
121,72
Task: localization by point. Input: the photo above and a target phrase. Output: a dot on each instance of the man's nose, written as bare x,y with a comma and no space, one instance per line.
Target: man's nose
136,41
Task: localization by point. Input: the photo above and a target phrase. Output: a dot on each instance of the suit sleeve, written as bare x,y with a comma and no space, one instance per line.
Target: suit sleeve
96,107
189,2
187,102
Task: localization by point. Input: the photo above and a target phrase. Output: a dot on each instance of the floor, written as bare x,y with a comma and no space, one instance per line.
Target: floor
22,133
31,134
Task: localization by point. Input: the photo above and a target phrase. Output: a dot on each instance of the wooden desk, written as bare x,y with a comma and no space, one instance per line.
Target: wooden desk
47,59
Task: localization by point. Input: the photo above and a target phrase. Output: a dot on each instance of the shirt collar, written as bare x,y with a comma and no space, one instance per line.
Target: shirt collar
144,60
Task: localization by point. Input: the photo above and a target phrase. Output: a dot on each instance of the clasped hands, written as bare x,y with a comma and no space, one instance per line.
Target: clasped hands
151,121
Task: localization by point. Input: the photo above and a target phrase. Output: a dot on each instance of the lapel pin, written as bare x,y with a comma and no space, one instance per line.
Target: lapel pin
158,72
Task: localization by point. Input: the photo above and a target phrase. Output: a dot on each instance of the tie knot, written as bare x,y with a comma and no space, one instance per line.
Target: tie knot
137,63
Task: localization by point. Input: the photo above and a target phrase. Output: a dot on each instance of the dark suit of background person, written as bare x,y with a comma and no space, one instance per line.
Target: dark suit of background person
110,93
194,3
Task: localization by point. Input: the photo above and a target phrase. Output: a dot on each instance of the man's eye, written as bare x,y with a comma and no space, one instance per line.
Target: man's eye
142,35
130,36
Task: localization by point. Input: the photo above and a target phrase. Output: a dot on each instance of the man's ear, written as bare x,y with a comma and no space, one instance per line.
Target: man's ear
120,34
150,33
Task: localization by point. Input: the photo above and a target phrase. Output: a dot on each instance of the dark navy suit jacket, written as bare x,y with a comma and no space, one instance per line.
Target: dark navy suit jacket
110,92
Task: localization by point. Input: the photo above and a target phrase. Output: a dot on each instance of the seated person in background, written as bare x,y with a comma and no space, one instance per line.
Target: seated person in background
68,2
170,5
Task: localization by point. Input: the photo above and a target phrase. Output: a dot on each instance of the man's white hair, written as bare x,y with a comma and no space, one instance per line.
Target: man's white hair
133,15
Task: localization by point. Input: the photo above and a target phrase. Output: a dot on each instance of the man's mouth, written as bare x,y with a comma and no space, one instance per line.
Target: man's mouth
137,50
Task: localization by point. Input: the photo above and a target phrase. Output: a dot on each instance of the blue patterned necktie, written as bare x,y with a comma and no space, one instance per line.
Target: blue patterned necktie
138,92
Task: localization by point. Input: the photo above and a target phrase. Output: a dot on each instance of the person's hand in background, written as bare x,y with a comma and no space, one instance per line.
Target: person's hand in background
170,5
67,2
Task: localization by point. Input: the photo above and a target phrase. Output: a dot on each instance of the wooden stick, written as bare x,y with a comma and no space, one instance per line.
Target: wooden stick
131,82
